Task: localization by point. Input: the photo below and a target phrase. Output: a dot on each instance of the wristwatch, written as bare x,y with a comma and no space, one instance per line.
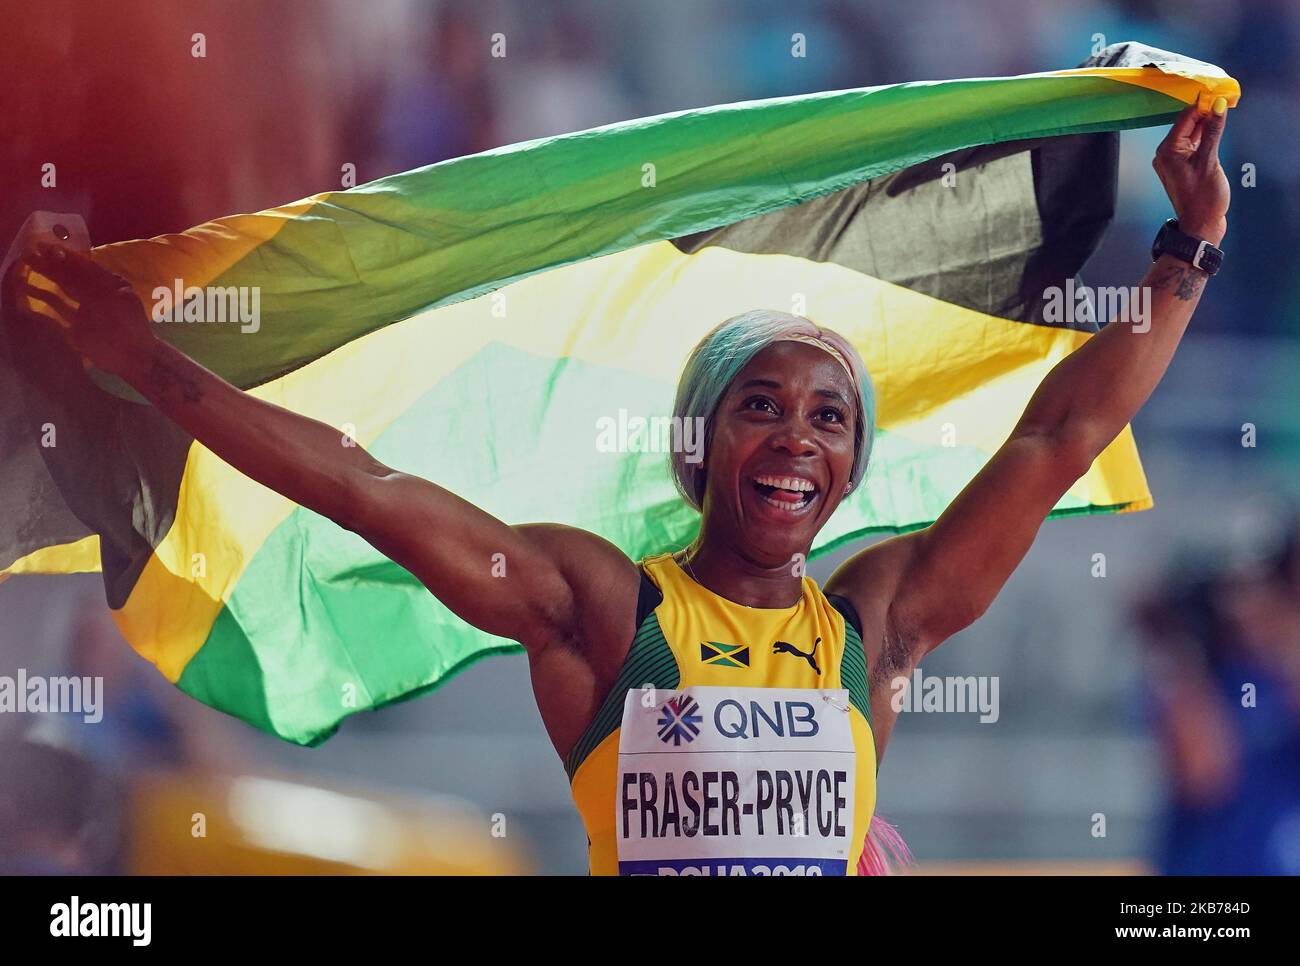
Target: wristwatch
1197,251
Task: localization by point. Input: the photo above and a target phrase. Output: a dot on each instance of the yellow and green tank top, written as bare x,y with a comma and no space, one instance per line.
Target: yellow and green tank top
735,741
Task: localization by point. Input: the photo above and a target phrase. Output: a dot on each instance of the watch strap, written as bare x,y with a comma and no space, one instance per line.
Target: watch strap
1195,251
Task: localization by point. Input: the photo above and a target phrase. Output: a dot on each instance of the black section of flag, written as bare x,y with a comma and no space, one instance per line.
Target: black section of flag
115,468
27,491
989,228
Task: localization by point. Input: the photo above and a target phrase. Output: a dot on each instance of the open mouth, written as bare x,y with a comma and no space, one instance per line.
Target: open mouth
789,493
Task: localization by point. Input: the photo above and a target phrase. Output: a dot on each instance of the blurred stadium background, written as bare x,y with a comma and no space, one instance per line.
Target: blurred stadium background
1119,695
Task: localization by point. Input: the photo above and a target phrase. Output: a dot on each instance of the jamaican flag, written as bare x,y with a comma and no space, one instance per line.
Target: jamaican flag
476,321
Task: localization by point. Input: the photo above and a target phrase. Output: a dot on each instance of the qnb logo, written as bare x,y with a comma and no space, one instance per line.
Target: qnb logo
680,720
76,919
780,719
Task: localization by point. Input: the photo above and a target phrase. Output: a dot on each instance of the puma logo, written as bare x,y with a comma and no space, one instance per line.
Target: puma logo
784,647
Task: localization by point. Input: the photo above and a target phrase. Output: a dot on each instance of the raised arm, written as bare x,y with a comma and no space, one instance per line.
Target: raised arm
925,586
558,582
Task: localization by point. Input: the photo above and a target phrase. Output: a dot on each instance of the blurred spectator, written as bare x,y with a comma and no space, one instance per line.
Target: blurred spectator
563,82
59,814
64,780
439,105
1224,670
147,722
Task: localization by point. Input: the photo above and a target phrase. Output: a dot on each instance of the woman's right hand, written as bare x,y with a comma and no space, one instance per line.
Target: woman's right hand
104,323
568,596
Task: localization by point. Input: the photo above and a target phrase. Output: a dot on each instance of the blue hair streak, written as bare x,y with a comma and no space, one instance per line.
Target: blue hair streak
720,356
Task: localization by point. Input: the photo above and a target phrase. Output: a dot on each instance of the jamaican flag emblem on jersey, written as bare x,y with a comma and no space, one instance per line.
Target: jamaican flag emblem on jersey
724,655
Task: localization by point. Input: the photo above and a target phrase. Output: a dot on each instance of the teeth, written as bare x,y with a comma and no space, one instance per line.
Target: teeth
786,483
781,505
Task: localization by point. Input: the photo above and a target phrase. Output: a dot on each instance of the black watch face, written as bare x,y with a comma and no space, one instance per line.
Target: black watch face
1163,237
1158,246
1211,260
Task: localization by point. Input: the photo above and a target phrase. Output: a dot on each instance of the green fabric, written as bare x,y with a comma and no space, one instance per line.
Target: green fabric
319,611
376,254
319,624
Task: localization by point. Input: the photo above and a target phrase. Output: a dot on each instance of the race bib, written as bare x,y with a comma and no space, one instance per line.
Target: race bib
735,781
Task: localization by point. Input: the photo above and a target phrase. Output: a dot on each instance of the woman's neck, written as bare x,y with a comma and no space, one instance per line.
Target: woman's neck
718,566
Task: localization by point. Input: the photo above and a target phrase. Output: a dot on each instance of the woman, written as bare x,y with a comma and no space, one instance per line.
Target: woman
717,712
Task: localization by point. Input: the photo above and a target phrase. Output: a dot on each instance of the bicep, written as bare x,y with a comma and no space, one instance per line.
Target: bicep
932,583
966,556
525,583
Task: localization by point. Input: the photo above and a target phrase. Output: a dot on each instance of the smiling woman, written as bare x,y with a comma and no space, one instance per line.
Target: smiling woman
731,346
666,787
639,656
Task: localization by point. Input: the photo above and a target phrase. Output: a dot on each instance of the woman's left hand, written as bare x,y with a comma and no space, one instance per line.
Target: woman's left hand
1187,163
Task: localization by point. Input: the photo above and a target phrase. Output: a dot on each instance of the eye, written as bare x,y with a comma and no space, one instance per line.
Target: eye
760,403
831,414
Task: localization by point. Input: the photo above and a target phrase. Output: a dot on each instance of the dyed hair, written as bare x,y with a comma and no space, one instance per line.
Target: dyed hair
726,350
884,852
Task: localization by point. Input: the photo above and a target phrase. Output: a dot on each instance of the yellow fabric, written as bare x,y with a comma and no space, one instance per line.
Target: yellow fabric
1202,83
201,254
80,556
223,517
978,391
691,614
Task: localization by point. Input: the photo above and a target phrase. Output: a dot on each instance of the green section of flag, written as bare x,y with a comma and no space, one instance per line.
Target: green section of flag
376,254
322,625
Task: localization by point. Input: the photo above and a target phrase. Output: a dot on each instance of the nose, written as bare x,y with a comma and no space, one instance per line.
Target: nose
794,436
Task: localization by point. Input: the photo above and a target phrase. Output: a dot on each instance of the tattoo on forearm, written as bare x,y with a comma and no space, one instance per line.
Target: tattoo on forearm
172,385
1191,284
1187,282
1164,276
